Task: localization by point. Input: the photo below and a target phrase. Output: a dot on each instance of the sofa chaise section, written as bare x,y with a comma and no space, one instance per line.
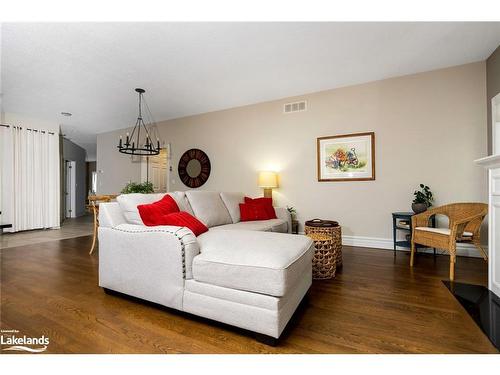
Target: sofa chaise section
260,262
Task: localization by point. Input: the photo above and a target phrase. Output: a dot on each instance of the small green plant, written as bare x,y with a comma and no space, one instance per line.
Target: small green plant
424,195
292,211
134,187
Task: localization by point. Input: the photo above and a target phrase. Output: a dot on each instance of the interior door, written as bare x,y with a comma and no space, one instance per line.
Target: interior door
70,188
158,172
155,170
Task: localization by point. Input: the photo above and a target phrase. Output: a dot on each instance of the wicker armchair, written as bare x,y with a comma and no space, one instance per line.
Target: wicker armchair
464,224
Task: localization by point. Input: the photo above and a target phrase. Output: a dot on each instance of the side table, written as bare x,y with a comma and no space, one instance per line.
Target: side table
327,237
93,206
398,218
324,262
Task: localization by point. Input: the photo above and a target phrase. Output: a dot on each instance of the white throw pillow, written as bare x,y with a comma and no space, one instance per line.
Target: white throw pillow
232,202
129,202
208,207
182,201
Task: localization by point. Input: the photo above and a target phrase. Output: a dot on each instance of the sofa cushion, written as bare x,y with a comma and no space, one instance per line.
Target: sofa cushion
274,225
261,262
263,301
445,231
232,201
129,202
182,201
208,207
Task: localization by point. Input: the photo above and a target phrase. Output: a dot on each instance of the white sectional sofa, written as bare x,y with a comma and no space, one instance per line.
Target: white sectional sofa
252,274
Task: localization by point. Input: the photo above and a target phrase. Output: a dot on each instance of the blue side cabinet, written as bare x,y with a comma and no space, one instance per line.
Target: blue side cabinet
397,219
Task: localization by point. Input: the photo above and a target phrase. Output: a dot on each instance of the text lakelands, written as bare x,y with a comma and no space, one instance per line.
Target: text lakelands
24,340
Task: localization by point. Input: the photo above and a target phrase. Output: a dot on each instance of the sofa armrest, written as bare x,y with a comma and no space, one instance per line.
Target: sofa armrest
147,262
110,215
282,213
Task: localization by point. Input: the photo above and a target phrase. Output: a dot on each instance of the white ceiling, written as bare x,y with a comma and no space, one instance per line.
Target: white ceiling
91,69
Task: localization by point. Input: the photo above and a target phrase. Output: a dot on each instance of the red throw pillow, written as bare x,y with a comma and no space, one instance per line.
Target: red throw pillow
252,212
184,219
267,203
151,214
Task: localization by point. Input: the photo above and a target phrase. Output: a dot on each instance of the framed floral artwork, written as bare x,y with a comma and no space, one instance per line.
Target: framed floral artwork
348,157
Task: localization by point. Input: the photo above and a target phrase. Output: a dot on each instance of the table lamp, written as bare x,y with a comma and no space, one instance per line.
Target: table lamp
268,181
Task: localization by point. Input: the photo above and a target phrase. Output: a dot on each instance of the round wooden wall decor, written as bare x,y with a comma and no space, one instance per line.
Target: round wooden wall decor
194,168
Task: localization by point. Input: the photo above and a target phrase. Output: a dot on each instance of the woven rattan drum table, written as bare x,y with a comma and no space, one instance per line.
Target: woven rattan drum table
327,237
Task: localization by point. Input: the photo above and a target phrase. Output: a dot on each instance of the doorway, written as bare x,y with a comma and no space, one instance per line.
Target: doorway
69,188
155,170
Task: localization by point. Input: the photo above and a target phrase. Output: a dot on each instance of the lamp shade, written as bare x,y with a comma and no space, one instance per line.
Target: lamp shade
268,179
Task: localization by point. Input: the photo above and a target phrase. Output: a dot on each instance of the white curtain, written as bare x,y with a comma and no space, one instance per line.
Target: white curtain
30,179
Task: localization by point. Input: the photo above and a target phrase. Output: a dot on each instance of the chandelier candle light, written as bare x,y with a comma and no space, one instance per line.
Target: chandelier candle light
132,145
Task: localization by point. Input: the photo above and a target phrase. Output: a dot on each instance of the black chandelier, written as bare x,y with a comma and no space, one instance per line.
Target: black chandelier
132,144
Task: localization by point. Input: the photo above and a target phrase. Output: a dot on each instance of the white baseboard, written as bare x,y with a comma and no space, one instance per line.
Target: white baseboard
463,249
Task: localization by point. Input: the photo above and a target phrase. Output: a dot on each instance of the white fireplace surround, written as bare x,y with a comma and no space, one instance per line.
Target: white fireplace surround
492,163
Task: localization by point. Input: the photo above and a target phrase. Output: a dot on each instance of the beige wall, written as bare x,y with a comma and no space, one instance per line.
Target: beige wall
429,128
114,170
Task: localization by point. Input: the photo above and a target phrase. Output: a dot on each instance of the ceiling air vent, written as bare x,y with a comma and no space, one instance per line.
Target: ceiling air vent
295,107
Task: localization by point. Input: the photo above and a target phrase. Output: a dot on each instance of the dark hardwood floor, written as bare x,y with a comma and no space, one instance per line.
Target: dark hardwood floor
376,304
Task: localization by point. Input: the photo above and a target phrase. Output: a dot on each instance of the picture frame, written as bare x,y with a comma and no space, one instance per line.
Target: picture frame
346,157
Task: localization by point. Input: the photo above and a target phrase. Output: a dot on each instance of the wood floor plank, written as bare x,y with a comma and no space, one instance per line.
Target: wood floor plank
376,304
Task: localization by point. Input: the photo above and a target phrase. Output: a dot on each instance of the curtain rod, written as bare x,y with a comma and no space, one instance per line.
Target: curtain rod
32,130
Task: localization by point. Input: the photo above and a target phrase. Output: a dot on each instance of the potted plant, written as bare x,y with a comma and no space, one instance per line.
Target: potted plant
293,215
423,199
134,187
